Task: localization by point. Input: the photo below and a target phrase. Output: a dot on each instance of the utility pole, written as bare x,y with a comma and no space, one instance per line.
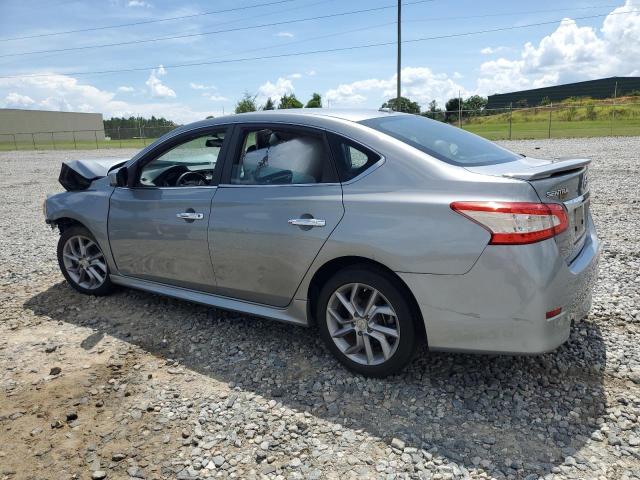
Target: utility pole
399,93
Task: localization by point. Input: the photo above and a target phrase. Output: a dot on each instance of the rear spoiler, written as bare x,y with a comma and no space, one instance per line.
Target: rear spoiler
545,171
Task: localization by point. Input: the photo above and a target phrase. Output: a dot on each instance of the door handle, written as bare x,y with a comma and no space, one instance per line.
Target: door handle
190,216
307,222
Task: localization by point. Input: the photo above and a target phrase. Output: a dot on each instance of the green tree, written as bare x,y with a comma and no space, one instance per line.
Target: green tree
210,116
475,104
451,110
433,111
246,104
315,102
403,104
289,101
269,105
545,101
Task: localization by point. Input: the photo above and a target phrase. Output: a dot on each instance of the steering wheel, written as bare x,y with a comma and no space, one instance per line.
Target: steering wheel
191,179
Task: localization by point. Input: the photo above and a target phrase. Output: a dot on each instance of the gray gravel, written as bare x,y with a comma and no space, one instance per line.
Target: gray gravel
139,386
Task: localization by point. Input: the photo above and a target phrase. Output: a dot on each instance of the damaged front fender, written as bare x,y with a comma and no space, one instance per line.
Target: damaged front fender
78,174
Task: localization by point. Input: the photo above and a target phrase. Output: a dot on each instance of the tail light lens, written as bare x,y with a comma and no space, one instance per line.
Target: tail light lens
516,223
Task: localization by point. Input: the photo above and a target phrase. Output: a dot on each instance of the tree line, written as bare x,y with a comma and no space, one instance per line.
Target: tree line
137,127
474,105
248,103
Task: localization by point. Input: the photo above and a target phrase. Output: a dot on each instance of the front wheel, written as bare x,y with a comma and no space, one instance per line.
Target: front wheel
82,262
367,321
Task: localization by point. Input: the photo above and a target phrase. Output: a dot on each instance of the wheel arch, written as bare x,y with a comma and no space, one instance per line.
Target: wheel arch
332,266
64,223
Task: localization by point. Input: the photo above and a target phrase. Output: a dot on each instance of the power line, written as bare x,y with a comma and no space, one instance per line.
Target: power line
227,22
146,22
315,52
200,34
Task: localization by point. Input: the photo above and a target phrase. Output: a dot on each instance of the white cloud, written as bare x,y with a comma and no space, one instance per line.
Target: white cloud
418,83
492,50
274,91
200,86
138,3
285,34
570,53
311,73
126,89
216,98
65,93
156,87
295,76
15,100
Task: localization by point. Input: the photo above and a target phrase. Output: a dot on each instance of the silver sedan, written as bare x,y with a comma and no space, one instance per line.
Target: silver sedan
384,230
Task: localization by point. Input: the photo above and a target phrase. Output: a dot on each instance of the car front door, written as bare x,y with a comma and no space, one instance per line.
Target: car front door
158,225
277,204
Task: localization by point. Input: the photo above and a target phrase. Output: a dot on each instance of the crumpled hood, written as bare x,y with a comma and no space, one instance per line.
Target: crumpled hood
78,174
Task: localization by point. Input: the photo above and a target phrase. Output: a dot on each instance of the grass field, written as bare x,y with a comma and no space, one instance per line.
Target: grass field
78,145
564,120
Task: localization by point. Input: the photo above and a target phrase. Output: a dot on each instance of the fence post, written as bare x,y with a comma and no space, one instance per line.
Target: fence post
15,144
510,118
33,139
144,138
95,134
119,138
75,147
549,122
53,141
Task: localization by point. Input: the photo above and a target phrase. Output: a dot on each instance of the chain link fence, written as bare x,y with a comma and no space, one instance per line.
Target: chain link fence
551,121
137,137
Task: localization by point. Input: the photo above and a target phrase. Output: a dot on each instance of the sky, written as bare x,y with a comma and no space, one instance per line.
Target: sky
523,45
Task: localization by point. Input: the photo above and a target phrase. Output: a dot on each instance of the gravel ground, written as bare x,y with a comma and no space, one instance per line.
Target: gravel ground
136,385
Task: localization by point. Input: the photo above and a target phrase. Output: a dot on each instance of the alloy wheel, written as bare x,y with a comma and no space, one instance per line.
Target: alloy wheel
84,262
363,324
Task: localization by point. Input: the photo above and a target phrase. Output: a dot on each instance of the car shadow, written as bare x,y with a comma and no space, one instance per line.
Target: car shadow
518,415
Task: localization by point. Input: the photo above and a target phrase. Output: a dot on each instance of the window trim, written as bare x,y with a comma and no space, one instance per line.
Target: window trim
237,142
135,170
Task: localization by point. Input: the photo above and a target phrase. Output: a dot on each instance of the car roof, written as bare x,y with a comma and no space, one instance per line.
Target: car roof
293,115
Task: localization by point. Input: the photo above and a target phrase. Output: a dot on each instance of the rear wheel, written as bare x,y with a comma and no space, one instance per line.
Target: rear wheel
367,321
82,262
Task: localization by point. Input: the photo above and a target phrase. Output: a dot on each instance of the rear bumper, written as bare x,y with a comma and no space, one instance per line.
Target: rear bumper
500,305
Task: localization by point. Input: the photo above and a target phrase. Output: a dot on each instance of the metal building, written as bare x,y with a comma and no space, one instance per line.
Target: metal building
601,88
25,126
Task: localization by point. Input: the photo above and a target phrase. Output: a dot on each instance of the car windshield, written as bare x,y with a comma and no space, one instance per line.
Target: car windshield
444,142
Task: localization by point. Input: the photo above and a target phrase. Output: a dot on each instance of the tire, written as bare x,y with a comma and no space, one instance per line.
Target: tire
376,360
89,264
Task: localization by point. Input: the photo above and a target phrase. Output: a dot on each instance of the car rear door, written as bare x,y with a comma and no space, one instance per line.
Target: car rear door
277,203
158,229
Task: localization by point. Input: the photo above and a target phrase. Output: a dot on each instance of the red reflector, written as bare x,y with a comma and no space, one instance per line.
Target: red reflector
554,313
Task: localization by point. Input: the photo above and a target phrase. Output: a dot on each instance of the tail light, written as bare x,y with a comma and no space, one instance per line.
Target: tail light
515,223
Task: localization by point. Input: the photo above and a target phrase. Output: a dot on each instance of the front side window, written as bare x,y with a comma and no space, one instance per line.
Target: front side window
280,157
444,142
191,163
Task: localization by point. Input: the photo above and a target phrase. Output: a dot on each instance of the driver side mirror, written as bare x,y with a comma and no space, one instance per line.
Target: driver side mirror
119,177
214,142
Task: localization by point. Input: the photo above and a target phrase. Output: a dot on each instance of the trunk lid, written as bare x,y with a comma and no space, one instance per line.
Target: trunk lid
563,181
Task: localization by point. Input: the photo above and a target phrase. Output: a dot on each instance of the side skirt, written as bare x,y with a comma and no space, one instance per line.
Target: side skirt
295,313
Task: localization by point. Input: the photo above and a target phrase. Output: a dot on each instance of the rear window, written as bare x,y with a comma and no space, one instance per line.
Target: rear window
444,142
